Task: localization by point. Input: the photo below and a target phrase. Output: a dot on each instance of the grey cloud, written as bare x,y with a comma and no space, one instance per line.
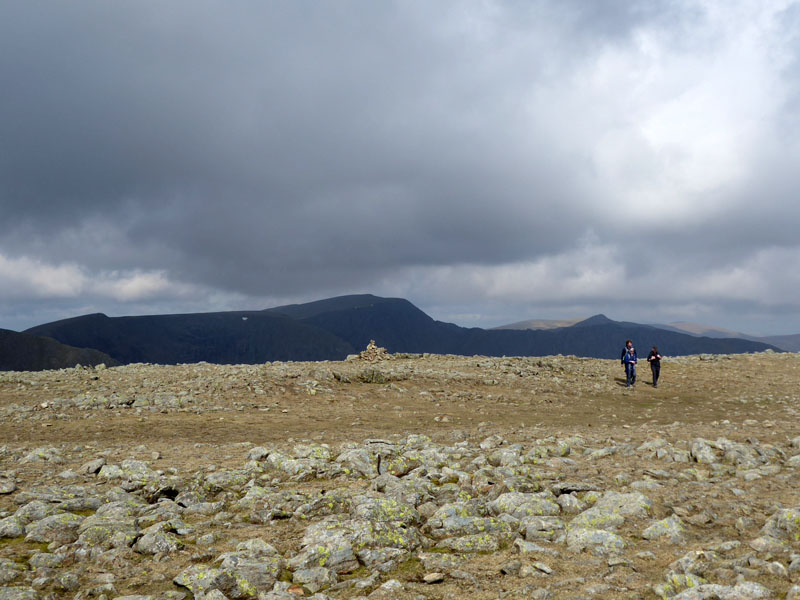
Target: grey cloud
301,148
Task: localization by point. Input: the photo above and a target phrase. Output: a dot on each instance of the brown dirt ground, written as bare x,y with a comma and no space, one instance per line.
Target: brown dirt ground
446,397
590,394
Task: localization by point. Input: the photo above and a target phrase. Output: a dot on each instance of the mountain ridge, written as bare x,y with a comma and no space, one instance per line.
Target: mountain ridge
25,352
785,343
332,328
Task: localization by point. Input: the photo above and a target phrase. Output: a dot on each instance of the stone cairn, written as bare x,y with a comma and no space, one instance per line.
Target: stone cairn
374,353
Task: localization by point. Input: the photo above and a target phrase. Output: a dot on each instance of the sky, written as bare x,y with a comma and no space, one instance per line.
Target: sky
489,161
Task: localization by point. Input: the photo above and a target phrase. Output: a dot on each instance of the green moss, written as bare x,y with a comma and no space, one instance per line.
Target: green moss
358,573
19,547
409,570
285,576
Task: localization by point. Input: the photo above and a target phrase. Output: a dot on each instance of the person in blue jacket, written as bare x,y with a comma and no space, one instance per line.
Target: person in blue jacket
629,360
628,346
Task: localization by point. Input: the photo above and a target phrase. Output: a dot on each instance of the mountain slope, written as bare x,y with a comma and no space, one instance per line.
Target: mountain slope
400,326
223,338
24,352
539,324
789,343
333,328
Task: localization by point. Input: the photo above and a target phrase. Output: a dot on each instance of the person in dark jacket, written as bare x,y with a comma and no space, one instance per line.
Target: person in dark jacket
629,360
654,358
628,346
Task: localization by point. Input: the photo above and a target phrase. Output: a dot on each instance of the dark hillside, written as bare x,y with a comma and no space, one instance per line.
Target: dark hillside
399,326
23,352
328,305
333,328
223,338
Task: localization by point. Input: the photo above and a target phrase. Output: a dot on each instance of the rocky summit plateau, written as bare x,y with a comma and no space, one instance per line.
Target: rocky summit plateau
408,476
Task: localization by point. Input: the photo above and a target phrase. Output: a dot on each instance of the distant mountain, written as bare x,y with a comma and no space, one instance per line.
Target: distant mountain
539,324
788,343
24,352
333,328
222,337
707,330
594,321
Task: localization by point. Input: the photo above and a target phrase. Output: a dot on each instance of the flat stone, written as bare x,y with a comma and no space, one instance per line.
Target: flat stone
431,578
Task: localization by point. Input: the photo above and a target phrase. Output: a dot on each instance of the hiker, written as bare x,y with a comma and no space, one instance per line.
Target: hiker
628,346
655,364
629,360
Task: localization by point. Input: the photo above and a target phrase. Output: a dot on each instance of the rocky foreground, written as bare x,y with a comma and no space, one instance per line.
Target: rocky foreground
402,477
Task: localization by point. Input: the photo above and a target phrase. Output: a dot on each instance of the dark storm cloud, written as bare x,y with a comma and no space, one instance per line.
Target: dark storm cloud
296,126
300,149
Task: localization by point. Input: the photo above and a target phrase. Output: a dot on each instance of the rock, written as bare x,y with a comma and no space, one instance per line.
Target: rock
647,485
542,567
431,578
523,547
43,455
358,462
112,525
492,442
570,504
694,562
388,591
11,527
595,541
61,529
769,545
67,582
741,591
460,519
702,452
257,453
256,548
671,529
384,509
36,510
315,578
10,570
373,353
511,568
330,548
611,511
45,560
317,452
521,505
158,543
677,583
793,462
481,542
252,571
783,525
93,466
200,580
296,469
541,528
226,480
18,593
7,484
